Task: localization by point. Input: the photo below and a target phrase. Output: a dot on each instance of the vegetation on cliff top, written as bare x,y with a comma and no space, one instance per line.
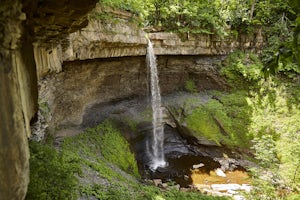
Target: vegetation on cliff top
279,20
206,16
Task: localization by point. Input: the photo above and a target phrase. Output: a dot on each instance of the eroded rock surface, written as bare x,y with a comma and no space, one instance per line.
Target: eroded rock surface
120,38
16,101
82,84
45,22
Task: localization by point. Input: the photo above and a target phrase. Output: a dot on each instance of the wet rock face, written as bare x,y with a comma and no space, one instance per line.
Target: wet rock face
202,70
82,84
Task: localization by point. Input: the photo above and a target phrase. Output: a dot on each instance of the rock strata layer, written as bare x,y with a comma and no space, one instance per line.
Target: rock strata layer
82,84
21,23
122,38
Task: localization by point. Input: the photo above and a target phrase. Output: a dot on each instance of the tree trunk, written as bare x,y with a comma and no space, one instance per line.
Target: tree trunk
252,10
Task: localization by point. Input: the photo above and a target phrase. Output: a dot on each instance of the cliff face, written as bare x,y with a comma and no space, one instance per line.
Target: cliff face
105,62
121,38
42,38
17,101
103,40
83,84
18,80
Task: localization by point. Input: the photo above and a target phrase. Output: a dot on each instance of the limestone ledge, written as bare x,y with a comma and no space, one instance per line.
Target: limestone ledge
203,44
99,40
120,39
123,39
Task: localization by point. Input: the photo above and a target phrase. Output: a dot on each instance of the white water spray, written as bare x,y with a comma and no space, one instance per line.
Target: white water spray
157,147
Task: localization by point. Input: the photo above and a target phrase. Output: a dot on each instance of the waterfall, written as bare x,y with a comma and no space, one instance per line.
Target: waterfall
156,151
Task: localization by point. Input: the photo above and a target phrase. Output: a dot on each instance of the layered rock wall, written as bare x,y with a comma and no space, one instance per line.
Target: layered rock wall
83,84
105,61
21,23
204,44
18,101
121,38
99,40
48,59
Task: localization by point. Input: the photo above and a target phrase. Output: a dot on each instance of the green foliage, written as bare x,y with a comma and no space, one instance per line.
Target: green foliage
266,152
190,86
282,51
139,192
134,6
215,17
113,192
277,53
293,197
262,190
240,68
265,116
275,127
51,176
194,16
289,156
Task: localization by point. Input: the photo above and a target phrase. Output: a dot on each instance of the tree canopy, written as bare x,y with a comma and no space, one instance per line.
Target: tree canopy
279,19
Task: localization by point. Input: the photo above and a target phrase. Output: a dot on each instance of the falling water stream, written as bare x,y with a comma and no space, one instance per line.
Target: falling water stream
156,149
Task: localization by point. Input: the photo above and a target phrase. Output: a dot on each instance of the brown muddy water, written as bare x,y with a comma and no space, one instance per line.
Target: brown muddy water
181,156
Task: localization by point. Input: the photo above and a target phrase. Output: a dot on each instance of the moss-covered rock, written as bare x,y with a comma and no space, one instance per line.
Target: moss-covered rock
224,119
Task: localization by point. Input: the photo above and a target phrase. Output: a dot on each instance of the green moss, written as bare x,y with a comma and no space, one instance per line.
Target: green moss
131,123
224,121
202,123
190,86
51,176
98,150
115,149
236,118
103,140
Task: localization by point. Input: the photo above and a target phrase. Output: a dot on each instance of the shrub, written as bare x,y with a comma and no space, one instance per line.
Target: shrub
242,69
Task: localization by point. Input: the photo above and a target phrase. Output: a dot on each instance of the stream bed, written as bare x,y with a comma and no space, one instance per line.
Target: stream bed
187,164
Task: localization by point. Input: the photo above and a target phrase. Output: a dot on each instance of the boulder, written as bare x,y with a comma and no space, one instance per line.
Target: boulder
201,187
226,187
220,172
198,166
157,182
